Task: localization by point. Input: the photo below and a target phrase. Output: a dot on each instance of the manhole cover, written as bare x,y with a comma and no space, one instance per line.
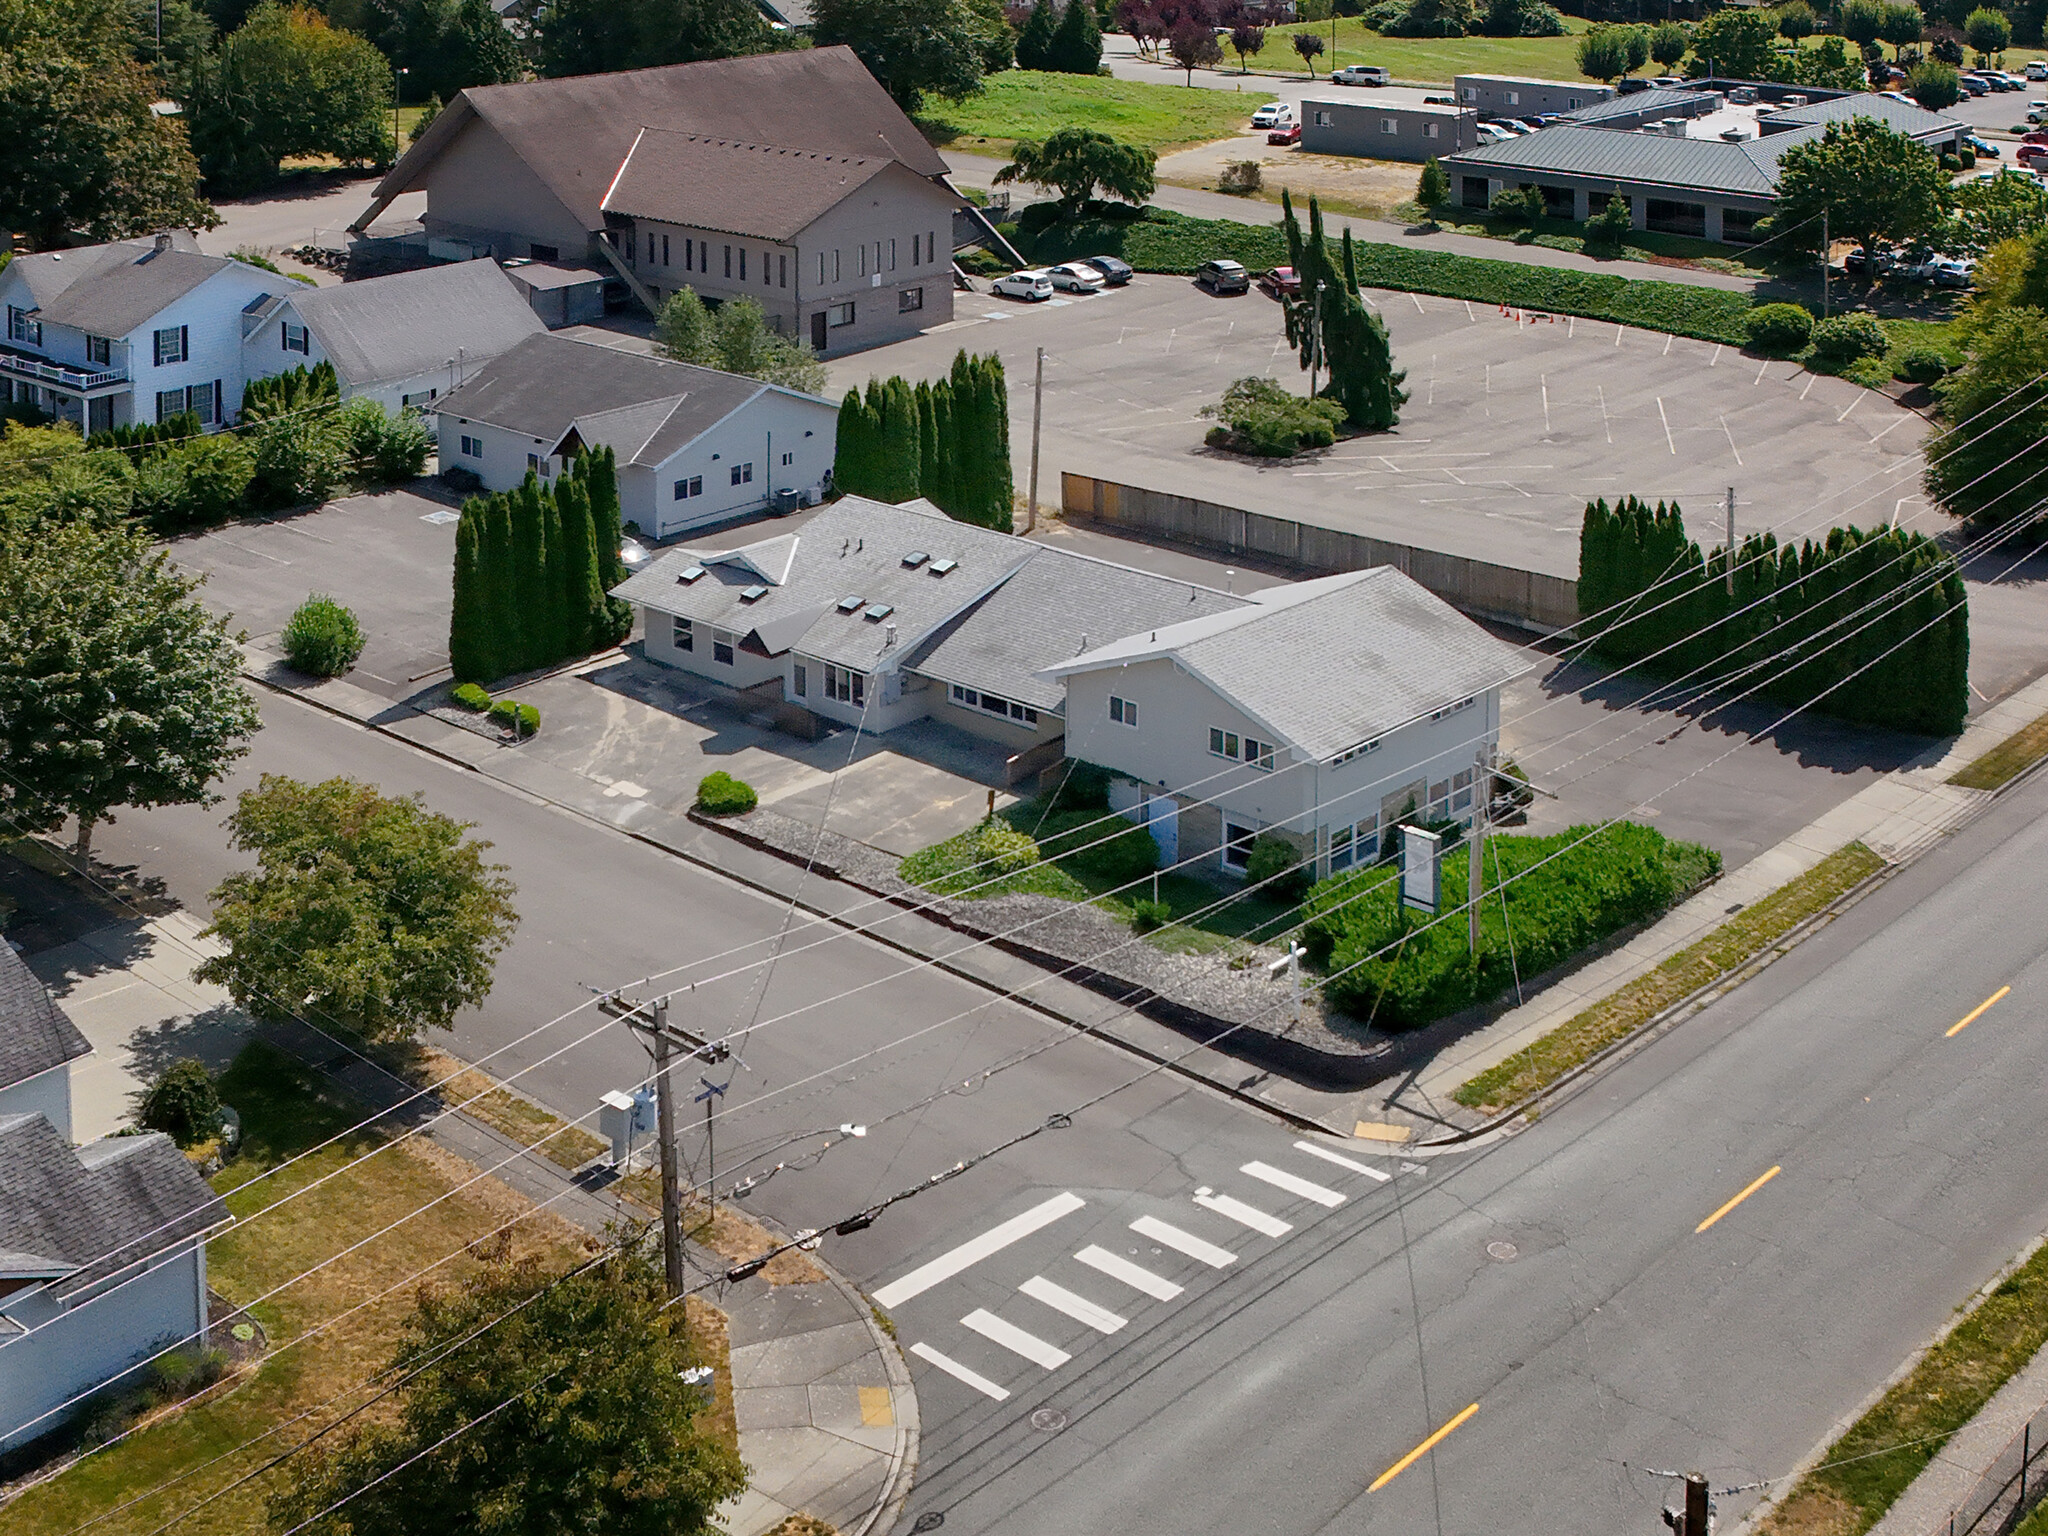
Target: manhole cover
1049,1420
1504,1251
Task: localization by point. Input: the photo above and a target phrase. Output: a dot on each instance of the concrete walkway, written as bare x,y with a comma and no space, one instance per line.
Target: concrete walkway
1949,1483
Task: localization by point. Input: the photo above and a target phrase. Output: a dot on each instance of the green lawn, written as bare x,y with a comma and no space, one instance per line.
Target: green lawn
1024,104
1426,60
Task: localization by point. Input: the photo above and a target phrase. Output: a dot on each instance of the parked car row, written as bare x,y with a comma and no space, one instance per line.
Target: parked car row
1918,265
1091,274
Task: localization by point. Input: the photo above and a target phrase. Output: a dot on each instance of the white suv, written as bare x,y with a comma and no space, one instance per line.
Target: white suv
1274,114
1033,283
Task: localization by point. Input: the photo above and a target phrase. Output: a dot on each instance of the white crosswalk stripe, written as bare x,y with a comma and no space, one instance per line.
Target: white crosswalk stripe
1341,1161
1079,1308
1184,1242
1119,1268
973,1251
1015,1339
959,1372
1280,1178
1244,1215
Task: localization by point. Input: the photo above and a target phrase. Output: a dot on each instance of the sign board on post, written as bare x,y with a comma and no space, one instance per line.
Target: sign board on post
1421,881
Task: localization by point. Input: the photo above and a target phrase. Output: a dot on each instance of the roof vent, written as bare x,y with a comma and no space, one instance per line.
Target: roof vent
915,558
689,574
941,567
848,604
752,594
879,612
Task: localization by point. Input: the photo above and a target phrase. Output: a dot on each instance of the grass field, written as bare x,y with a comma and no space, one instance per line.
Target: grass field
1024,104
1426,60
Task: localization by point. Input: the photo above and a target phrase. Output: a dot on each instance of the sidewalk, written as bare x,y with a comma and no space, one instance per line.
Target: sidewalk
1951,1482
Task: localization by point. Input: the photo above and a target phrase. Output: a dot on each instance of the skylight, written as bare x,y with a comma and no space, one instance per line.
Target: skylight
752,594
940,567
689,574
879,612
850,604
915,558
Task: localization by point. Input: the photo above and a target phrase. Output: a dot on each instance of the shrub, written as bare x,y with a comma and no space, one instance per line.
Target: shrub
1240,177
1147,915
1611,225
472,697
1260,417
720,794
1275,867
1782,328
1845,338
385,447
1101,844
1922,365
323,638
522,720
214,474
182,1104
1522,205
299,461
1083,786
1000,849
466,482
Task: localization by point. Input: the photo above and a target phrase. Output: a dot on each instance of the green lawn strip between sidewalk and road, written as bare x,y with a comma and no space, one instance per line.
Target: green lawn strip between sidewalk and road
1876,1459
1174,244
2006,761
1027,104
1587,1033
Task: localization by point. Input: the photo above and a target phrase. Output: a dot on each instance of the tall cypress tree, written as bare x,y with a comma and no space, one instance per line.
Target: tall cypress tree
499,562
897,471
927,442
850,451
529,574
999,510
554,579
969,469
942,457
582,598
1077,41
470,636
602,486
1034,38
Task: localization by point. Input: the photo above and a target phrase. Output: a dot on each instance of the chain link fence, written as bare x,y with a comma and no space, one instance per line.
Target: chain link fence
2015,1482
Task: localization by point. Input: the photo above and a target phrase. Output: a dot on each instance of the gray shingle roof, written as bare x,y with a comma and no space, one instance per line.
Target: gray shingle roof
99,1207
547,383
574,132
1060,603
712,183
1330,663
117,295
35,1034
855,548
49,273
410,323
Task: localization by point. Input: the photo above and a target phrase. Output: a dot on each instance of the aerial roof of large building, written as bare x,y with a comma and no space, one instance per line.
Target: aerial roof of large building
715,183
403,325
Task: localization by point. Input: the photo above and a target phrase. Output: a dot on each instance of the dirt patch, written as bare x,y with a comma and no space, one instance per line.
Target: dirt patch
731,1234
1345,184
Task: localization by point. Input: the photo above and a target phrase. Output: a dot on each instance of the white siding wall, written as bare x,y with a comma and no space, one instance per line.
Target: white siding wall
758,435
88,1346
47,1094
744,671
503,464
212,316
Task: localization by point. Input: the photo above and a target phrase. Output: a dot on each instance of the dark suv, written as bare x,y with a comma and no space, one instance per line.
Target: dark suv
1223,275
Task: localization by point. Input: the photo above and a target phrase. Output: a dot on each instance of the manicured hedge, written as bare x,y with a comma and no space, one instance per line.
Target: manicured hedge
1172,243
720,794
1598,881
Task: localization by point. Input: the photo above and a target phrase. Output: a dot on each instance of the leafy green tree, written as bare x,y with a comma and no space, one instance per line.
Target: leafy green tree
1077,162
1902,26
1309,45
1077,45
1603,53
1034,38
1796,21
1860,21
735,339
1668,43
1934,85
182,1103
593,37
1433,187
1828,64
1987,31
445,45
556,1403
85,152
1246,39
1737,44
429,110
1877,186
117,687
913,47
287,84
1993,209
1987,465
364,910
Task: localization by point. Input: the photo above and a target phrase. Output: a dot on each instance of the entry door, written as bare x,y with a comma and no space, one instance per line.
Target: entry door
1162,820
818,331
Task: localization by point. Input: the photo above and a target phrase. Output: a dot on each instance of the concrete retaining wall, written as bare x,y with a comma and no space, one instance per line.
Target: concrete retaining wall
1527,599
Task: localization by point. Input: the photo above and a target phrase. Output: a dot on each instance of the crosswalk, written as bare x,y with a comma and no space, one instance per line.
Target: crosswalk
1107,1290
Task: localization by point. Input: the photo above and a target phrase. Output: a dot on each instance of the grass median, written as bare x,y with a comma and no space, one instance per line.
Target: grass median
1863,1473
2006,761
1586,1034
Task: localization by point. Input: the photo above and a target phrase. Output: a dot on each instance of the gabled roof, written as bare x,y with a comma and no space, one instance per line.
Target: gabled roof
644,407
35,1034
714,183
49,273
1331,663
854,549
109,290
410,323
1749,168
1905,117
574,133
1644,104
99,1207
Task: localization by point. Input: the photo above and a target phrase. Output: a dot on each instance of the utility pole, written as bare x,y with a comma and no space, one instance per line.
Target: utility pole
1697,1517
1037,411
1729,551
1482,790
671,1188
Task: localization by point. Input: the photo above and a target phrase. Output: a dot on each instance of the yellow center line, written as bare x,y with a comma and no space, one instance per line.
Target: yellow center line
1975,1013
1420,1451
1758,1184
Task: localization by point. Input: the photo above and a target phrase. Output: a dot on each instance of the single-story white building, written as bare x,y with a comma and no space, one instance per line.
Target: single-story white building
1323,710
406,339
695,446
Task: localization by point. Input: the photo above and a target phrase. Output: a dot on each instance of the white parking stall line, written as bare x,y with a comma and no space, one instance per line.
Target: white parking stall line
1341,1161
1280,1178
1760,367
1852,405
1015,1339
959,1372
1731,442
1244,1215
1119,1268
1667,426
974,1250
1811,380
1899,423
1079,1308
1183,1242
1418,305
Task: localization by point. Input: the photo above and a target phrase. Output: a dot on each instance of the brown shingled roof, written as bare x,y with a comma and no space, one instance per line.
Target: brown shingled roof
688,178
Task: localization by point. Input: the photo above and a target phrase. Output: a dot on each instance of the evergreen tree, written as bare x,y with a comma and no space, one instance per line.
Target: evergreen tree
502,602
528,579
470,640
583,600
1077,42
944,453
928,446
1035,37
1330,325
850,449
607,534
558,639
970,470
897,472
999,507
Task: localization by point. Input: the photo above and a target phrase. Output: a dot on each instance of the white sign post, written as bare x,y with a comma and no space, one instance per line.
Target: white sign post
1421,879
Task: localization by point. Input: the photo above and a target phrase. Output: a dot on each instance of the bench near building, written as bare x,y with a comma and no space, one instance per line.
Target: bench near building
1321,710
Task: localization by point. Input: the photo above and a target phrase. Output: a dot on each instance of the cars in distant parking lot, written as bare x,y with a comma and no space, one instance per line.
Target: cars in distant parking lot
2037,69
1114,269
1361,74
1281,282
1286,133
1272,115
1075,277
1439,101
1983,149
1222,275
1031,283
